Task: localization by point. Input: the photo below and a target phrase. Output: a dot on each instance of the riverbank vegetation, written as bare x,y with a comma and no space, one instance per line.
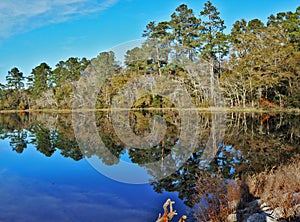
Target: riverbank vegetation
255,65
273,193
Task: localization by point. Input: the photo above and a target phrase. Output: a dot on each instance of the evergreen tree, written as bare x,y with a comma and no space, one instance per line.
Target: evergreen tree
15,79
69,71
290,22
214,43
40,79
185,31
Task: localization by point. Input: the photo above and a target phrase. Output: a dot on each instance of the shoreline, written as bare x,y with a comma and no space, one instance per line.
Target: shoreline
211,109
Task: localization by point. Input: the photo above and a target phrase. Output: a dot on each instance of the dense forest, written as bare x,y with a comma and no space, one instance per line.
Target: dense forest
256,64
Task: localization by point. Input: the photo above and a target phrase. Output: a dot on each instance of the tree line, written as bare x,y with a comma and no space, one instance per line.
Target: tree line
256,64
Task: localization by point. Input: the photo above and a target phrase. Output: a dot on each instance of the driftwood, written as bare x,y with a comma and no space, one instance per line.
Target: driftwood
169,214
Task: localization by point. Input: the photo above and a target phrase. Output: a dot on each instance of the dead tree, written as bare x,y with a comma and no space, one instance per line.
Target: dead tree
169,214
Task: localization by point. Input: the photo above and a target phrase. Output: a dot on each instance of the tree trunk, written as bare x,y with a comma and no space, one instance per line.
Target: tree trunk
212,88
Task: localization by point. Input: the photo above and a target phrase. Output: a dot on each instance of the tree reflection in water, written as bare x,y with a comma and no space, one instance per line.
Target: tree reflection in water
252,143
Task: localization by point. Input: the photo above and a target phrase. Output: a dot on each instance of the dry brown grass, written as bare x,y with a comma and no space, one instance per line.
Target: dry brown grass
219,197
278,187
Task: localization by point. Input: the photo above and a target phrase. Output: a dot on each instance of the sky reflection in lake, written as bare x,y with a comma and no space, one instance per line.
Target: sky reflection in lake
37,188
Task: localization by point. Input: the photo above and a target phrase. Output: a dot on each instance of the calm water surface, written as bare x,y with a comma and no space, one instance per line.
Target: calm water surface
44,175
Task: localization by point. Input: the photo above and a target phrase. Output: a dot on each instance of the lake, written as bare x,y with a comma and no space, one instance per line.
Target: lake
123,165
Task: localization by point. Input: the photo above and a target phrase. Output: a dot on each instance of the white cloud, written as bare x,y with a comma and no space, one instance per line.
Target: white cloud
23,15
28,199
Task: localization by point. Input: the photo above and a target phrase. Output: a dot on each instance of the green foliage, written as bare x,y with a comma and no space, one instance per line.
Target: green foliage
39,80
69,70
15,79
64,78
105,63
136,60
214,41
263,64
185,28
290,22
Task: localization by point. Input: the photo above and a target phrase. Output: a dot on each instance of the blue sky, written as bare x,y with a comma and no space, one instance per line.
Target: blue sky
35,31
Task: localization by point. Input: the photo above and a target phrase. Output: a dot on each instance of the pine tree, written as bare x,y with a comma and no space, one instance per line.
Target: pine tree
214,43
185,32
39,79
15,79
